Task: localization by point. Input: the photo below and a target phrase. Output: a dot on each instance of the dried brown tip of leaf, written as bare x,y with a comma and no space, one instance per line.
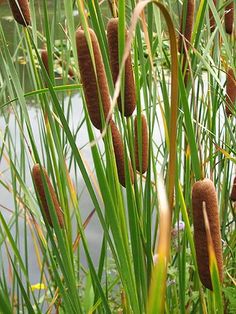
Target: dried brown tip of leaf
20,11
211,18
233,191
229,17
92,86
120,155
204,192
144,144
186,27
44,57
230,91
129,88
38,176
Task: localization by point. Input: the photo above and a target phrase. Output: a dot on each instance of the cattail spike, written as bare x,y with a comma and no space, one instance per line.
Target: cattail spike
129,89
44,57
233,191
186,27
212,19
204,191
88,77
20,11
38,174
120,155
229,17
144,144
230,91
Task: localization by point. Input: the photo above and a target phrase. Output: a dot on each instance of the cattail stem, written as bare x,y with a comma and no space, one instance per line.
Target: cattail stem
95,85
38,174
120,155
20,11
230,91
143,150
204,192
186,26
129,88
229,17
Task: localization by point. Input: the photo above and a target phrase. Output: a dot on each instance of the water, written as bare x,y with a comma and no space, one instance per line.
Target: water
93,230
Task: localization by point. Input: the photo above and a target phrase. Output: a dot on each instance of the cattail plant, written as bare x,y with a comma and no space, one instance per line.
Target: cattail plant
129,88
230,91
20,11
95,84
143,150
186,26
233,191
204,194
120,155
38,174
212,19
44,57
229,17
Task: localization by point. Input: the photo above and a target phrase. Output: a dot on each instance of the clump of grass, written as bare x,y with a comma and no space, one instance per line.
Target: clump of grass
94,84
229,18
20,11
211,18
129,92
230,91
186,26
38,174
120,155
144,145
204,193
233,191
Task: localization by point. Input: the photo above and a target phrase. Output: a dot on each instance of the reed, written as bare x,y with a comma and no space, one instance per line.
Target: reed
20,11
204,191
229,18
93,83
44,57
144,145
211,18
120,155
233,191
186,26
129,88
38,174
230,91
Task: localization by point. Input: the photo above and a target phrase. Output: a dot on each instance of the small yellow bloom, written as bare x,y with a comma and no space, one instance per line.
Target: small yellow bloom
38,286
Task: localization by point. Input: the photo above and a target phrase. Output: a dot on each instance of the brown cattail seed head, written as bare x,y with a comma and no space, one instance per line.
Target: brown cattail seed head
211,18
204,192
92,86
233,191
144,143
129,88
229,17
120,155
186,26
39,186
230,91
44,57
20,11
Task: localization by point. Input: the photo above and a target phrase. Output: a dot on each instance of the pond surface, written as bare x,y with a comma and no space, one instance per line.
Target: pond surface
93,230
